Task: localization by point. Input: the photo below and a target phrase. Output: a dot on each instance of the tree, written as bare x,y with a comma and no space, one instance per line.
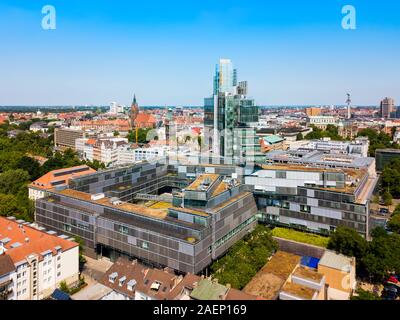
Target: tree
12,181
30,165
64,287
383,255
394,223
245,258
365,295
116,133
79,240
299,136
8,205
348,242
387,198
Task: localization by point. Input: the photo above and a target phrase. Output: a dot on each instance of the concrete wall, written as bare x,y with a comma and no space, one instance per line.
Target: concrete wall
300,249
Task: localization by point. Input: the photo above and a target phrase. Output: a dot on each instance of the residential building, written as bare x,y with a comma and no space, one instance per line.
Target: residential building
199,224
33,263
131,280
37,189
287,276
105,150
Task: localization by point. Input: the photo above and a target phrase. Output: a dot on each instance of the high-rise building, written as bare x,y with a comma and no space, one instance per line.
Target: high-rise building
387,107
230,118
225,78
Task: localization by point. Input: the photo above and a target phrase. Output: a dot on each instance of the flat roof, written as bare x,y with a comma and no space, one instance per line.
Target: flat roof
307,273
336,261
206,179
130,207
269,280
298,290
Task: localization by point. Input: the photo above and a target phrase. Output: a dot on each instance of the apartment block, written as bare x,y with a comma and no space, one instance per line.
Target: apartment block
33,263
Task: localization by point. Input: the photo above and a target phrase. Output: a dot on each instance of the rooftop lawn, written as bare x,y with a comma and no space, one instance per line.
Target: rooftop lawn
300,236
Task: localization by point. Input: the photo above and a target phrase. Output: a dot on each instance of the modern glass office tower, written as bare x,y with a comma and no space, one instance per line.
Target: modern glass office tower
230,118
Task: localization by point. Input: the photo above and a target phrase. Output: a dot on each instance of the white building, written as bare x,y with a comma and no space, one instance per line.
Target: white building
33,263
115,108
127,154
323,121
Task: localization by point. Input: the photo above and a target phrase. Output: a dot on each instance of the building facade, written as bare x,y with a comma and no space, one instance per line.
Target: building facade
200,224
34,263
230,118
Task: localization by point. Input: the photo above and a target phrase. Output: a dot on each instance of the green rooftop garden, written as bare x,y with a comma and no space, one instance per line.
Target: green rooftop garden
300,236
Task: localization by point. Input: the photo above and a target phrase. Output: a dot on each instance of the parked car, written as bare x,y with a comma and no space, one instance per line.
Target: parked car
383,211
390,292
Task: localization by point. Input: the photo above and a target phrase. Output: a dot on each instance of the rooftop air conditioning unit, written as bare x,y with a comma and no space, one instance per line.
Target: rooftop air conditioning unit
97,196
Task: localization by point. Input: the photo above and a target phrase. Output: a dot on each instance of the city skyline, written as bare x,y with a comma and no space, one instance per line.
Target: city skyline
166,53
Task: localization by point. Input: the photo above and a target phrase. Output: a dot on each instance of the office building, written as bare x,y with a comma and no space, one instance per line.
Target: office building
64,138
230,118
313,199
33,263
185,226
387,108
384,157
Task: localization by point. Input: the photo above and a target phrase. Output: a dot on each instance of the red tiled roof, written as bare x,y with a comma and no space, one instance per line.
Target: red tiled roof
44,182
37,243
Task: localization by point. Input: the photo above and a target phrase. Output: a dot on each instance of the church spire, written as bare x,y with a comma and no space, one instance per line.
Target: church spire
134,99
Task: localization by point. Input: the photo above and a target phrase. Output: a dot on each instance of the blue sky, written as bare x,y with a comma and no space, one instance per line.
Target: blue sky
290,52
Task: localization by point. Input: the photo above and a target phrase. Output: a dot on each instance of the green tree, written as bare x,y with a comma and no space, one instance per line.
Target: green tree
387,198
30,165
394,223
348,242
64,287
364,295
8,205
12,181
383,255
245,258
299,136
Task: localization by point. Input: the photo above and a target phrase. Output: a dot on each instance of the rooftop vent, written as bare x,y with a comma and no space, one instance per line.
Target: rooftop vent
131,284
15,245
121,281
112,277
155,286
